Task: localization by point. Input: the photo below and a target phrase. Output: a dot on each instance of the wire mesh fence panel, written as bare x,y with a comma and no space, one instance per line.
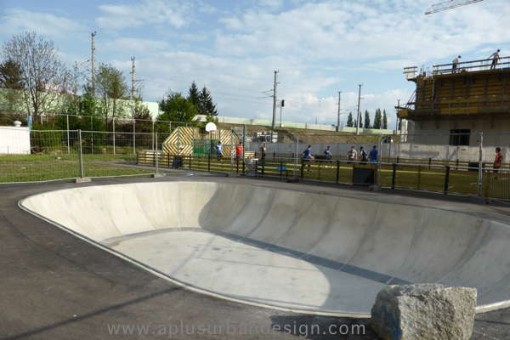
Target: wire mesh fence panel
463,181
108,154
496,185
53,155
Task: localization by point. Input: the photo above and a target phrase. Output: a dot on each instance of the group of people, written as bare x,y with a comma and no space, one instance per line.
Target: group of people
352,154
219,150
494,57
372,156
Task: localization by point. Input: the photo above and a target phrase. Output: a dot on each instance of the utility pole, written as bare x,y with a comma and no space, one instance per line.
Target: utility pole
133,79
338,115
359,112
93,62
398,108
275,83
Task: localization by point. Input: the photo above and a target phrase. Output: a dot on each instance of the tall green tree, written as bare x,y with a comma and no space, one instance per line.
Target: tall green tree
44,76
206,106
350,122
384,120
11,79
367,120
377,119
11,76
176,108
194,95
110,85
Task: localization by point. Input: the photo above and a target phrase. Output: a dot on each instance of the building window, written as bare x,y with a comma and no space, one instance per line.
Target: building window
459,136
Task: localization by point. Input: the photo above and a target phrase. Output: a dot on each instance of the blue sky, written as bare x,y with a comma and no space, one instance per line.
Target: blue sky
233,47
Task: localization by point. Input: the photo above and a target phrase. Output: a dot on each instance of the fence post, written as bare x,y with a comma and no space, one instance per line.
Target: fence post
80,155
394,176
446,180
480,166
337,171
68,142
418,185
113,129
134,134
156,153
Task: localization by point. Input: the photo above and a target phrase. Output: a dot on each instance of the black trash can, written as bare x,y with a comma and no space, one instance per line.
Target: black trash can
363,176
177,163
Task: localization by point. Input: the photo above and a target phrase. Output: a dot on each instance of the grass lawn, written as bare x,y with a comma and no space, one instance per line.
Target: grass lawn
31,168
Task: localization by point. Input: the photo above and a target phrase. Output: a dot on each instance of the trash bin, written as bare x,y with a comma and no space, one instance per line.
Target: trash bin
363,176
177,163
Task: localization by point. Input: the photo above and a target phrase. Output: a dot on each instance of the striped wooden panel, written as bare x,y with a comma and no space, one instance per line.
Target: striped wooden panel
181,141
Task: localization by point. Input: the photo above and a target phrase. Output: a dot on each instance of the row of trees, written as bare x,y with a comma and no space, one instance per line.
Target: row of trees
380,120
35,82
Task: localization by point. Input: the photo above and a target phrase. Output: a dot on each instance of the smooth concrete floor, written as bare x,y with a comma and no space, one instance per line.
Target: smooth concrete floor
55,286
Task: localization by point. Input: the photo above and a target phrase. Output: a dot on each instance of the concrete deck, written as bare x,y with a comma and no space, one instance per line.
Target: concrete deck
55,286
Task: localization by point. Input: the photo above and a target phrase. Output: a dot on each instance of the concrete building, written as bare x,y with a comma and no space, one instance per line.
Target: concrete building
453,105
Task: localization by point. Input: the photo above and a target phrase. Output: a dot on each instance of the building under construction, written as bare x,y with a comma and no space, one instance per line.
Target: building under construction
452,104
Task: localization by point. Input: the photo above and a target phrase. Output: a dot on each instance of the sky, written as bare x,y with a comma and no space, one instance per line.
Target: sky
233,48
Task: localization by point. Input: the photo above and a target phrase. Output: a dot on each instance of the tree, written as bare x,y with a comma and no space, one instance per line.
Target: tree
194,95
110,84
367,120
11,80
350,122
176,108
43,74
11,76
377,119
206,106
384,120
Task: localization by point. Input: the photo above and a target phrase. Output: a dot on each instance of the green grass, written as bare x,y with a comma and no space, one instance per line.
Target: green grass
30,168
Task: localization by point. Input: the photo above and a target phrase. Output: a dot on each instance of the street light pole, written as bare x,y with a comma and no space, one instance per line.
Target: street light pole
274,103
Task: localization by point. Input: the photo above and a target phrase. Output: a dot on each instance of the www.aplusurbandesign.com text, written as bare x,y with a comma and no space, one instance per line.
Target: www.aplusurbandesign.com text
232,329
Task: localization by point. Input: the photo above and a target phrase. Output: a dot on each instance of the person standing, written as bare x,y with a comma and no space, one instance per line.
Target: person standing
307,154
455,64
363,155
219,151
239,151
372,156
352,155
495,59
498,160
327,153
263,150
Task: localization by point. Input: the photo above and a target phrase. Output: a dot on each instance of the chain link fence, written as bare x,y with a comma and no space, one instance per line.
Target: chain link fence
409,162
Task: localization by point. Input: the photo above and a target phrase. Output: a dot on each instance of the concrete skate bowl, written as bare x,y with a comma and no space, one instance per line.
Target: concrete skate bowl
312,252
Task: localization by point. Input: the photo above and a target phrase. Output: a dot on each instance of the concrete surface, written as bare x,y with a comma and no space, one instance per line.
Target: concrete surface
307,251
56,286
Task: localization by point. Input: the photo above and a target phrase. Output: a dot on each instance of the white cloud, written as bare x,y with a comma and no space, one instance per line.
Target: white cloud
15,21
148,12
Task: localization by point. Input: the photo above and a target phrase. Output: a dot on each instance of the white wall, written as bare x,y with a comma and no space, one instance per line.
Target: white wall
14,140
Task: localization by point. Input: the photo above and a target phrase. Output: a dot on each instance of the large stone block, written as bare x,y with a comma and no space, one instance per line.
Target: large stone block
424,311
